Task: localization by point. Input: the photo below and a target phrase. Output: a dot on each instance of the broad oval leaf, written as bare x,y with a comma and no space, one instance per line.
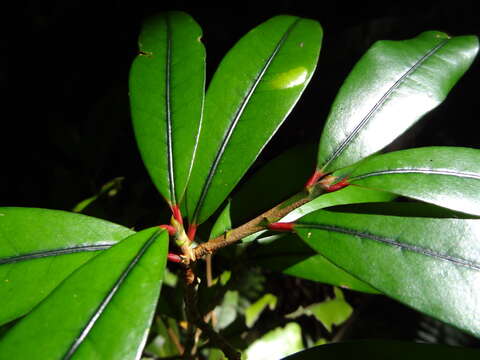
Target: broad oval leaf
167,84
254,89
430,264
389,89
101,311
39,248
382,349
444,176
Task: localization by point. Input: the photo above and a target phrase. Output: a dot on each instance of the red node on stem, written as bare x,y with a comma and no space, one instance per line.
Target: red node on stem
192,230
177,213
314,178
171,230
174,258
340,185
281,226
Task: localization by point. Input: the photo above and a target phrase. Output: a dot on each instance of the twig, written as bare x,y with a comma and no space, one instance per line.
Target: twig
257,224
195,317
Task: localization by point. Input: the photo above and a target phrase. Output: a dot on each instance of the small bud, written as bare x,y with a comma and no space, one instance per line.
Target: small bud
281,226
192,230
174,258
329,183
177,215
314,178
171,230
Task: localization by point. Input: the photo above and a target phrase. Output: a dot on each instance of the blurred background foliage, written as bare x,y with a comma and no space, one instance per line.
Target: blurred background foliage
67,143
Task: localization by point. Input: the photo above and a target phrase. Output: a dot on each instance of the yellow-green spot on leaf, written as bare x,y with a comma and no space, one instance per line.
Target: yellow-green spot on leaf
288,79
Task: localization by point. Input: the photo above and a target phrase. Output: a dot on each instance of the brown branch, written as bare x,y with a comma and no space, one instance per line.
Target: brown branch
175,340
257,224
194,317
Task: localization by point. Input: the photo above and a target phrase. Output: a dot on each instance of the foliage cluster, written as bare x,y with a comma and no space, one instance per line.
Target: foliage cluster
403,224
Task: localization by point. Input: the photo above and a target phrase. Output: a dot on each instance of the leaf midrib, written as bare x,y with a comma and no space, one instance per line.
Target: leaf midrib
168,111
54,252
392,242
341,147
103,305
427,171
235,120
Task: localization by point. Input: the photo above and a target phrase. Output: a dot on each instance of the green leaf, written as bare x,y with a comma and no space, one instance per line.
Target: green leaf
432,265
103,310
329,312
444,176
252,92
161,345
332,312
252,313
290,255
167,82
39,248
381,350
393,85
111,189
348,195
226,312
276,343
262,190
223,222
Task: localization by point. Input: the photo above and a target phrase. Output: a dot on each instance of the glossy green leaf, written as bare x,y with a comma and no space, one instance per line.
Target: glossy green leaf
444,176
39,248
290,255
430,264
381,350
276,343
252,92
167,82
101,311
389,89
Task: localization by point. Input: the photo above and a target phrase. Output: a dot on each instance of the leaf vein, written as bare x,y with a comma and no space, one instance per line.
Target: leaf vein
341,147
427,171
392,242
103,305
53,252
236,118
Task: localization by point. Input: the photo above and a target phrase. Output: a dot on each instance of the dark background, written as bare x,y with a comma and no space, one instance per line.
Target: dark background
66,125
